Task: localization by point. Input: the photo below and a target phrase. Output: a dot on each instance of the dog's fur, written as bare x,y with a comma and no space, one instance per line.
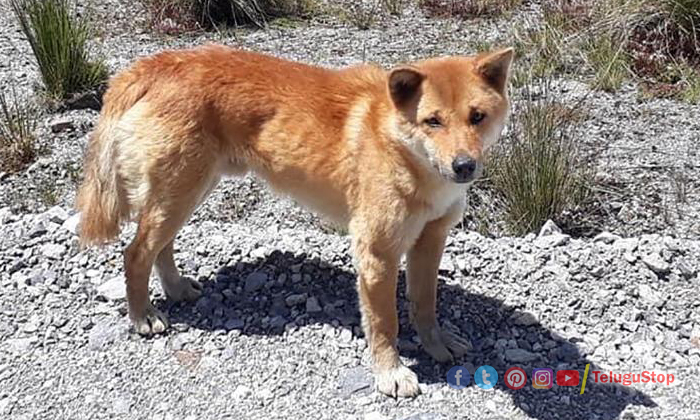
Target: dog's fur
370,149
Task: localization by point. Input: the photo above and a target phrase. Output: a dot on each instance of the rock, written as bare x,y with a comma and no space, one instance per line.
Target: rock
71,223
105,332
312,305
56,214
354,380
234,324
61,124
656,263
346,336
113,289
255,281
375,415
549,228
606,237
525,319
520,356
241,392
425,416
5,215
295,299
553,240
685,268
53,251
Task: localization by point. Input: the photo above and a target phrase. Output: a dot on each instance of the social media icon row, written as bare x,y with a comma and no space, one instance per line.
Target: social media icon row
515,378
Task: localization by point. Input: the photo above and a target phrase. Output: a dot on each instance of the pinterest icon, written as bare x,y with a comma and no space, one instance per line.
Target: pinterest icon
515,378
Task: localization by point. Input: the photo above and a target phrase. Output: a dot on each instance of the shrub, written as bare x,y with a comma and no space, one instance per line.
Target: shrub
59,43
538,169
175,16
17,124
466,9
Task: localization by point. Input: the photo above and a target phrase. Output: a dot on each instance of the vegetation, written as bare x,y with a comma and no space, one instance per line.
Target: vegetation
18,120
59,41
466,9
538,169
177,16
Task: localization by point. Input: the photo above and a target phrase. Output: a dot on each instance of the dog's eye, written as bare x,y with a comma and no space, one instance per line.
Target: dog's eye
476,117
433,122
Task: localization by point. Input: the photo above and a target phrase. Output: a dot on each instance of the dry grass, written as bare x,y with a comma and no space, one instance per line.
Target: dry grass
181,16
18,120
467,9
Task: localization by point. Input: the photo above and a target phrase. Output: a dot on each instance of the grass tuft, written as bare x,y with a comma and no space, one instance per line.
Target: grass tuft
538,169
59,42
467,9
18,120
180,16
609,60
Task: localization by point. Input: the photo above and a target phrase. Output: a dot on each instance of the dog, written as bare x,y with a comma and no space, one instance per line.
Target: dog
388,154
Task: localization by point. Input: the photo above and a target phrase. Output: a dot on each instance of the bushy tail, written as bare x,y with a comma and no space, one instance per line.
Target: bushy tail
101,198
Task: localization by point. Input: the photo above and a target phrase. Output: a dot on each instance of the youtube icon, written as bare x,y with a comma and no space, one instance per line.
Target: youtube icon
567,377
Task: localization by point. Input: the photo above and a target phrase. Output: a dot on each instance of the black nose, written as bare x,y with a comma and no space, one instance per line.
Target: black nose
464,167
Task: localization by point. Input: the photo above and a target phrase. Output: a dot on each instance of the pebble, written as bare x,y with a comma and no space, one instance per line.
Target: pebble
295,299
255,281
656,263
521,356
312,305
113,289
241,392
53,251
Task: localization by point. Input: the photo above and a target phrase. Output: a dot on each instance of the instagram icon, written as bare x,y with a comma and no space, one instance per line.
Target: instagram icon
542,378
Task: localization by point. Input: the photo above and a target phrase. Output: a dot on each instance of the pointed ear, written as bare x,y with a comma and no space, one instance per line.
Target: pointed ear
494,67
405,85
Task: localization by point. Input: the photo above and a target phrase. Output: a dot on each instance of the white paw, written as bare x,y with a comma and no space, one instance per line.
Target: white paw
152,322
397,382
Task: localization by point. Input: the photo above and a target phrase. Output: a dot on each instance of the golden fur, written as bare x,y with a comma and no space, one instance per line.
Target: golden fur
388,154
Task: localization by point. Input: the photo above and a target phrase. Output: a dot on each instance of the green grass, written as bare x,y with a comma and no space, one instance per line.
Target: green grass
538,168
610,62
18,120
59,41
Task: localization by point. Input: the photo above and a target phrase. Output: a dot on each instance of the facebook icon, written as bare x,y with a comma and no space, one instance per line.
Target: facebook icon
458,377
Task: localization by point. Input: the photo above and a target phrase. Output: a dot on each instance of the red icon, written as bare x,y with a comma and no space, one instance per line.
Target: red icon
515,378
567,377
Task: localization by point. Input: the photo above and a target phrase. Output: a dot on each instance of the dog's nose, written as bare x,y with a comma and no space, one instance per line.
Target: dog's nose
464,168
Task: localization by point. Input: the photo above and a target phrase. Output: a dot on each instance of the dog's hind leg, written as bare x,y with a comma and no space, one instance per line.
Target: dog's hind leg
177,184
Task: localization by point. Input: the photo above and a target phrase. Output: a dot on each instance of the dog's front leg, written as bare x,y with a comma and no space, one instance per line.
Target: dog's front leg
377,265
423,261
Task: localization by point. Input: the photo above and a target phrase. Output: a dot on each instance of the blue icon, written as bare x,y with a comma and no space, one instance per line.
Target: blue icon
458,377
486,377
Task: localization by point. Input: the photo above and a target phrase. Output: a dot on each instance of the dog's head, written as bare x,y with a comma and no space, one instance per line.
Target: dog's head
451,110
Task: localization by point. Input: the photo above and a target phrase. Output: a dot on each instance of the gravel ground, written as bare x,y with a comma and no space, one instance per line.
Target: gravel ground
276,333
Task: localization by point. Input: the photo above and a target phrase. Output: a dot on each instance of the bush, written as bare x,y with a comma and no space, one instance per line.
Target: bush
538,169
175,16
466,9
17,124
59,43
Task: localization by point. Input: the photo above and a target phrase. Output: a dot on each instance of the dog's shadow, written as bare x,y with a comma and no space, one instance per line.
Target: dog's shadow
261,297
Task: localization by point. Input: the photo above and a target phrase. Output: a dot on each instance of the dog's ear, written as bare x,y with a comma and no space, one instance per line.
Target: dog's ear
494,67
405,86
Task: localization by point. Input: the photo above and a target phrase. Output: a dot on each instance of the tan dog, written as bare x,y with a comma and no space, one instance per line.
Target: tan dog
388,154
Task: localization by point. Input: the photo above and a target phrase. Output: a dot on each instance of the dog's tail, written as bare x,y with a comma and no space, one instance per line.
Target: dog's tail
102,198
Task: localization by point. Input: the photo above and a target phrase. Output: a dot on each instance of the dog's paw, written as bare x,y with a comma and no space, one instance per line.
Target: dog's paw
443,346
397,382
183,289
152,322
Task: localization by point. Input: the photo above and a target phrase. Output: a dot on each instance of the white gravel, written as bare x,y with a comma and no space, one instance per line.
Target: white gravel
276,333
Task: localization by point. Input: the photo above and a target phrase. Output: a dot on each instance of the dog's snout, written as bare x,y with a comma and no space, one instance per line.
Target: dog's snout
464,168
